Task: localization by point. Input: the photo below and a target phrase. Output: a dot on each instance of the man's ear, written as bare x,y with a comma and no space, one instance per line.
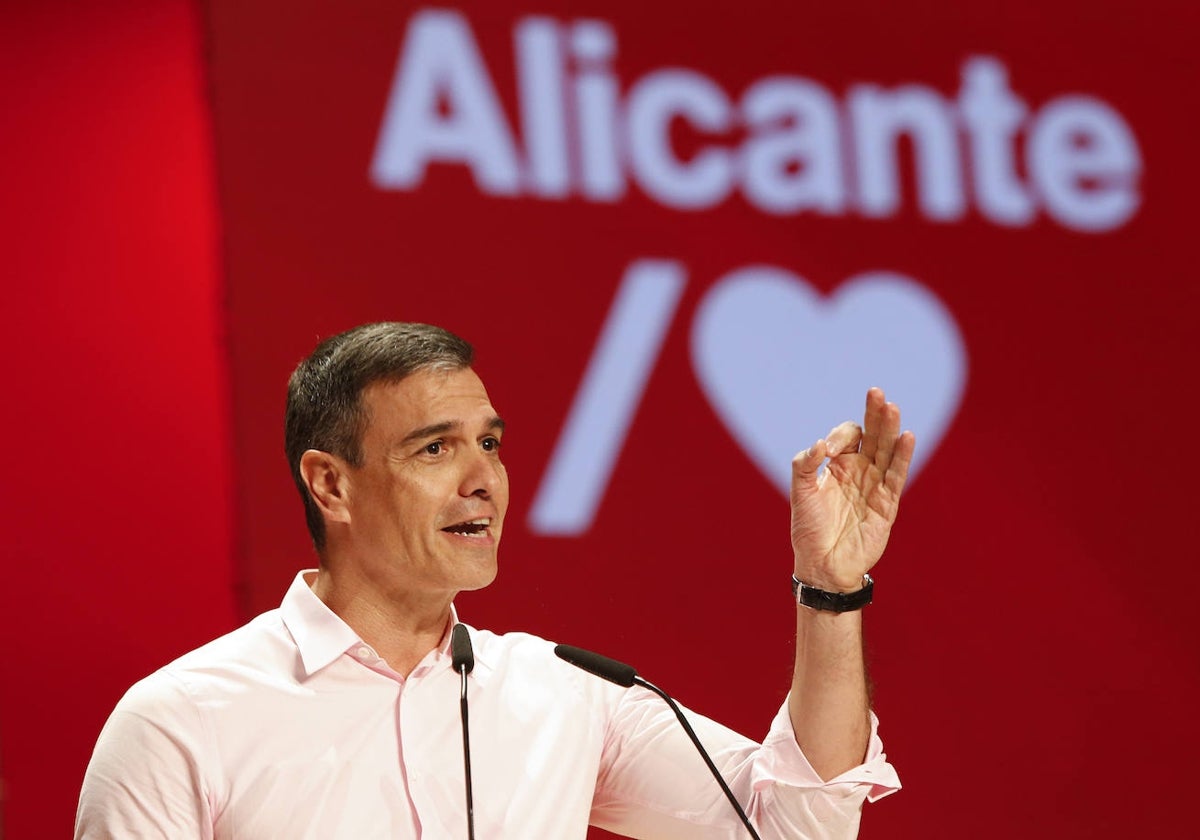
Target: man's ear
328,483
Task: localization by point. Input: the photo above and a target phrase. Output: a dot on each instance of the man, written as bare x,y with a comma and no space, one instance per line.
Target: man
335,716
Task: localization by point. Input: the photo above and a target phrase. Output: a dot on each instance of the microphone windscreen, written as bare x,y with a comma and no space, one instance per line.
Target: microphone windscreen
462,656
594,663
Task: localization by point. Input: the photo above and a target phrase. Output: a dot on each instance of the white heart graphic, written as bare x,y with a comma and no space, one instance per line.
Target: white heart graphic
782,364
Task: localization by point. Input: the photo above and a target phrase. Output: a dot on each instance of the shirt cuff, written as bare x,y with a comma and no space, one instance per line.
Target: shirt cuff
783,762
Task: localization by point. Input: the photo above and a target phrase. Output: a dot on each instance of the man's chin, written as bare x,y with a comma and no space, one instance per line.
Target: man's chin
479,575
480,582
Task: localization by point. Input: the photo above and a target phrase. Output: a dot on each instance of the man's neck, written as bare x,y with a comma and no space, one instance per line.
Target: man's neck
402,627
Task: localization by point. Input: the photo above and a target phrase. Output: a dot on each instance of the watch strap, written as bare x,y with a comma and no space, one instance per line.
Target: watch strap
837,602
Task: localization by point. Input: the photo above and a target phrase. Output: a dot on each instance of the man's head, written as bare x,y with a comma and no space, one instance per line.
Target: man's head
325,406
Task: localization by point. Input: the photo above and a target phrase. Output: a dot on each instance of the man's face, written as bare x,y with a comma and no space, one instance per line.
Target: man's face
427,505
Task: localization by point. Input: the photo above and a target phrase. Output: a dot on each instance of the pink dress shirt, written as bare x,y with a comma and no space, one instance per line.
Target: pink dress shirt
292,727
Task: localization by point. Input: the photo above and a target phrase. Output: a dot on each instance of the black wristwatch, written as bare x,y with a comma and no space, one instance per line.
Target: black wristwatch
838,602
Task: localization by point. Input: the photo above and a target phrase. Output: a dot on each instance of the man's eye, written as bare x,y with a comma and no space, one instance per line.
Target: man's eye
491,444
434,448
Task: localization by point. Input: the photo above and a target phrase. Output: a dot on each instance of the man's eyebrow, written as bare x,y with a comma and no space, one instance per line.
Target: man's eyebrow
430,431
494,424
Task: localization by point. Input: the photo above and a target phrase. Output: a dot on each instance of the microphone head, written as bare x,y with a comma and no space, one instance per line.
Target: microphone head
462,655
594,663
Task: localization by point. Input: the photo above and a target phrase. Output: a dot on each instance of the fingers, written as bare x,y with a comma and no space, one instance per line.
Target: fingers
897,472
844,437
806,464
872,420
889,430
878,439
881,430
889,450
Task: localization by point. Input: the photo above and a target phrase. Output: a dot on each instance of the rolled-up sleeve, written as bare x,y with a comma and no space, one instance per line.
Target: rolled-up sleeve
653,783
789,796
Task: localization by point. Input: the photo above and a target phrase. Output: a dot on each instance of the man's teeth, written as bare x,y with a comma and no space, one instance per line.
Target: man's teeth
474,528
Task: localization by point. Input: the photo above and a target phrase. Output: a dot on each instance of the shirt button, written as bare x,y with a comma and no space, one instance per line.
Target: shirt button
364,653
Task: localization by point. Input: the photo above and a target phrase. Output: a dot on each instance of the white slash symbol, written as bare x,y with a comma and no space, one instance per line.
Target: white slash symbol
612,387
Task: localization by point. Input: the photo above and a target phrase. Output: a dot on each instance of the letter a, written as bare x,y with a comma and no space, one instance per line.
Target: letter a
440,62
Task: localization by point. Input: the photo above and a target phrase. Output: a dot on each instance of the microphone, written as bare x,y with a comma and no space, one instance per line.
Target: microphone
603,667
462,656
626,676
462,659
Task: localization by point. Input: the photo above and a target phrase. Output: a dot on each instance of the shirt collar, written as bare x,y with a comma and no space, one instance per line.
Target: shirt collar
321,636
483,667
441,656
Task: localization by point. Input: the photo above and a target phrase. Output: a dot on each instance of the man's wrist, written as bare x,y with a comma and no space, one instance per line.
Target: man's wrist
816,598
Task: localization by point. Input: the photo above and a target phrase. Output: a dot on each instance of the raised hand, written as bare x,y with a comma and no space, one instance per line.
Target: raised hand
841,520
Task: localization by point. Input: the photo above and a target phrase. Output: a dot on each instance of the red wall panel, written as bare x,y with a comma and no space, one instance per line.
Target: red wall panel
118,492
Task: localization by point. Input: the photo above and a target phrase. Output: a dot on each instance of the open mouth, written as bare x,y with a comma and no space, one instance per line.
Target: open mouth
473,528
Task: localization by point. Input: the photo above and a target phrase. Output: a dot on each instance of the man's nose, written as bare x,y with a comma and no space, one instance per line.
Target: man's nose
481,476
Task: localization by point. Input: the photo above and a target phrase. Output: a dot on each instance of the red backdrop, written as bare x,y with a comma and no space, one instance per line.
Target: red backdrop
118,501
682,243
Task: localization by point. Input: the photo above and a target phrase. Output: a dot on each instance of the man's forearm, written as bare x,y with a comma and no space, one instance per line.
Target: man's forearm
829,704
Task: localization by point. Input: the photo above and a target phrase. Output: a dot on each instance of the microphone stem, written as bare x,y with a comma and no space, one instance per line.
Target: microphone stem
687,727
462,704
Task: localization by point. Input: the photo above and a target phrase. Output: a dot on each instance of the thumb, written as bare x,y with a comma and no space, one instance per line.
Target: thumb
805,466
